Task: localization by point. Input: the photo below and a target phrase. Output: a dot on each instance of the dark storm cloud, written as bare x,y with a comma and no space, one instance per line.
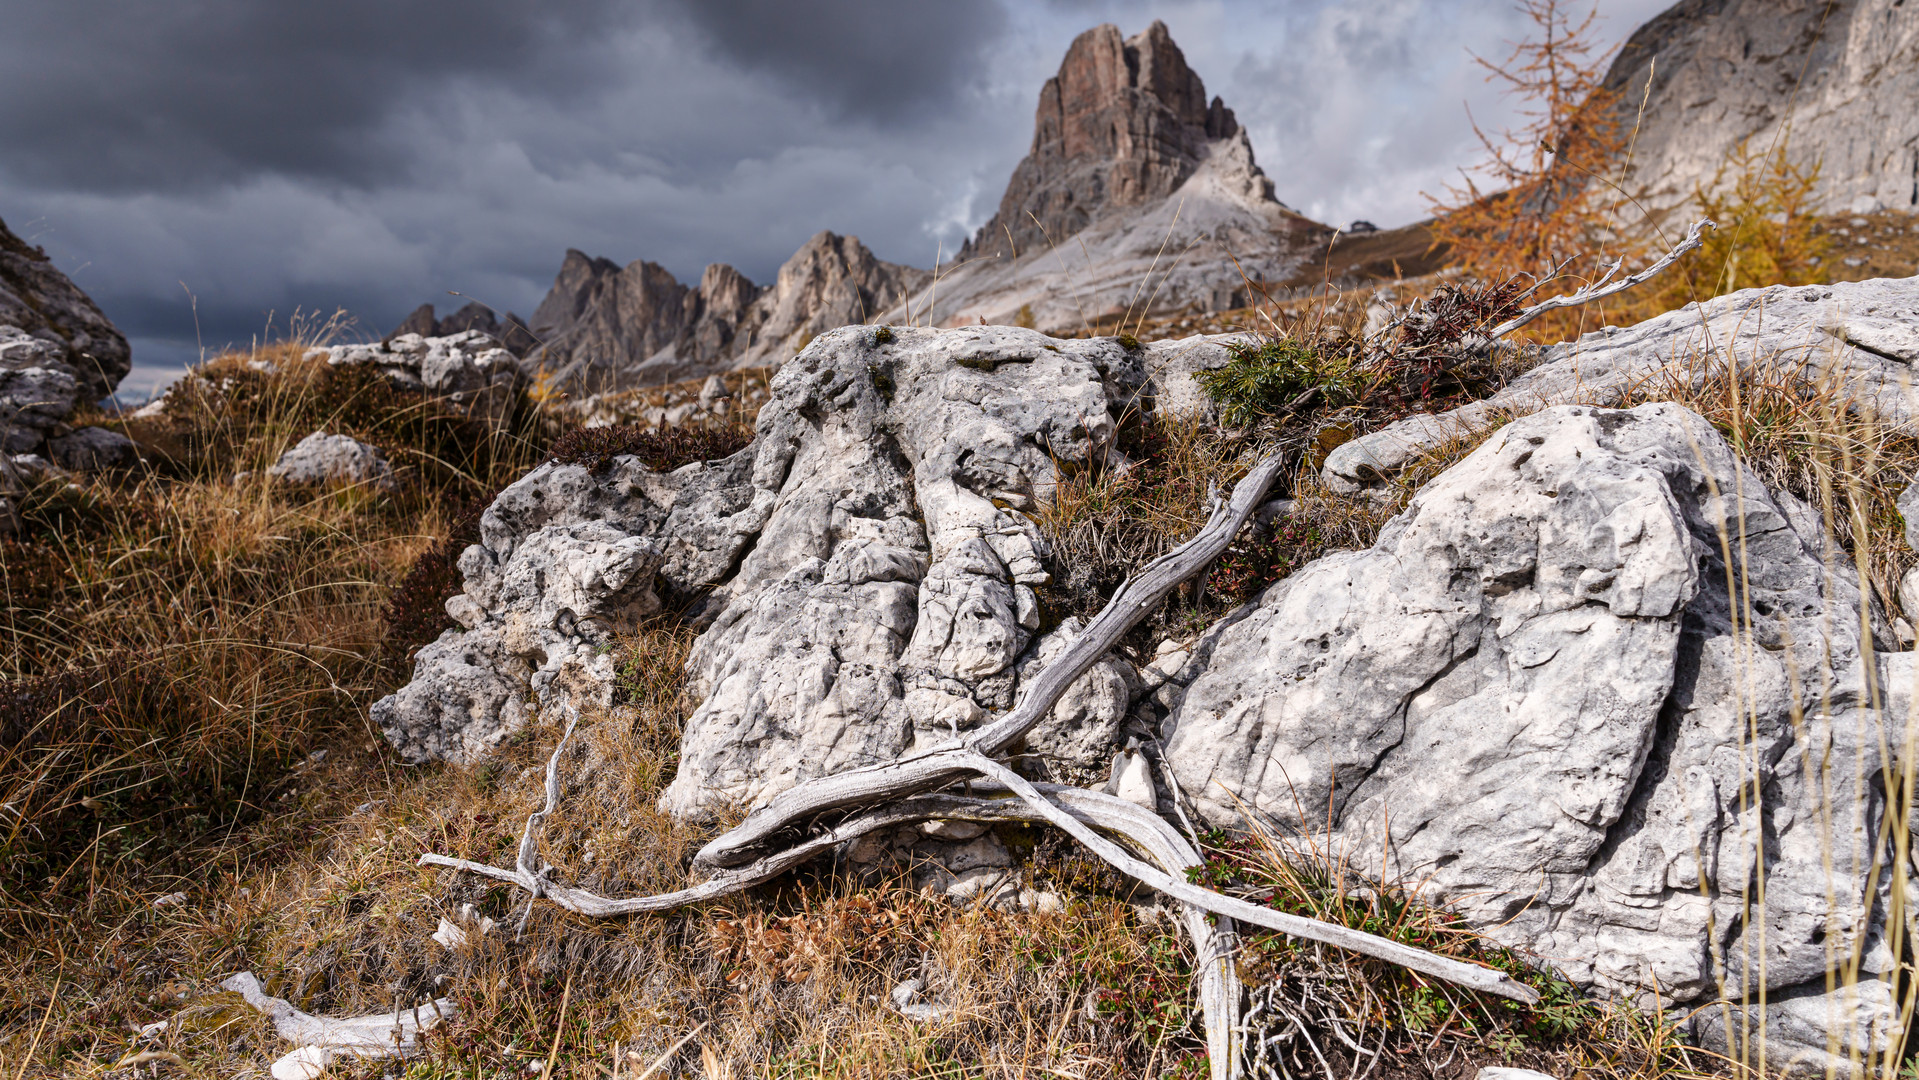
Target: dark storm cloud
879,59
373,154
129,95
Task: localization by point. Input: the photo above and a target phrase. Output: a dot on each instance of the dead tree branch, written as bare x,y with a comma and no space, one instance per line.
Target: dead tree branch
1599,290
942,765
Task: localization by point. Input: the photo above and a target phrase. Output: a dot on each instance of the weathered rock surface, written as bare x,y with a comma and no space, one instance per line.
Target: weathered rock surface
1536,696
89,448
606,327
332,459
469,369
40,301
1723,71
863,570
1859,337
38,389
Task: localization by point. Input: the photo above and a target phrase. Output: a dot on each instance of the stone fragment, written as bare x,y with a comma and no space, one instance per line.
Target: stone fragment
333,459
305,1063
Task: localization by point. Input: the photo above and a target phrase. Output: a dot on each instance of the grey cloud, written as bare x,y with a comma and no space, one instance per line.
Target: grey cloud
876,59
123,95
377,155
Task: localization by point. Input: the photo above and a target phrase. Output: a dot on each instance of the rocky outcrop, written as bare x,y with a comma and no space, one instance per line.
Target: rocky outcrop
1137,196
605,327
470,369
1124,123
57,353
322,459
864,571
1537,697
510,333
41,302
1723,71
1859,338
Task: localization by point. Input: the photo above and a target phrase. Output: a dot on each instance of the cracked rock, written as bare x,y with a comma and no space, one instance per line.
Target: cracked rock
1531,695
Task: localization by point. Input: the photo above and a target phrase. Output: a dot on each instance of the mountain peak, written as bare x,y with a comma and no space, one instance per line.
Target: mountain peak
1124,123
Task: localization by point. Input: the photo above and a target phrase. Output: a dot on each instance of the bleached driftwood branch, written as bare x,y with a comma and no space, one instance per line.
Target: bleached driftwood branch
1599,290
1219,989
394,1034
941,765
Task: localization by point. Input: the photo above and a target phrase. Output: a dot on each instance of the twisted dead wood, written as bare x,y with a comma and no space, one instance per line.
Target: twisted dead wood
1599,290
1217,979
766,828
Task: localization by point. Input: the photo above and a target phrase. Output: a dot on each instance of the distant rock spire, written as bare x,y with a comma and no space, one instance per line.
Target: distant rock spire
1124,123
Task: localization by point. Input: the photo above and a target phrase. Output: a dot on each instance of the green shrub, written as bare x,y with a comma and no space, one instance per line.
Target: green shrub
1277,376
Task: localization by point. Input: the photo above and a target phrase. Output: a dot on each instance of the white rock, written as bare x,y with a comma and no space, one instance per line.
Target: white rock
1527,695
906,993
1132,779
467,369
1503,1072
449,936
953,830
1862,336
333,459
306,1063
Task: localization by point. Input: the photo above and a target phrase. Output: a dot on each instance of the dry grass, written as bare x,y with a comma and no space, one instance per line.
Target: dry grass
192,789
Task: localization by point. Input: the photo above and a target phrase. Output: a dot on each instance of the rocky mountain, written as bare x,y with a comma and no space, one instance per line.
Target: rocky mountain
1155,186
604,326
1838,80
511,332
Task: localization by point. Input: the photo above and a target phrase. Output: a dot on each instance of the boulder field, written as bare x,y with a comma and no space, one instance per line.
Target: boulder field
1597,688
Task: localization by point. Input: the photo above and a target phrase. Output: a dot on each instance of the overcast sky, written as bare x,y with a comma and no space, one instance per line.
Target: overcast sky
254,156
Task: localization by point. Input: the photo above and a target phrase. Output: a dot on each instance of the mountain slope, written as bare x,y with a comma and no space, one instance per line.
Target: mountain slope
1839,78
1136,195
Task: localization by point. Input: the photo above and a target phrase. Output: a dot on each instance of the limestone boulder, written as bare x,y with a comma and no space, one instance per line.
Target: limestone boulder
864,574
567,560
1602,692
